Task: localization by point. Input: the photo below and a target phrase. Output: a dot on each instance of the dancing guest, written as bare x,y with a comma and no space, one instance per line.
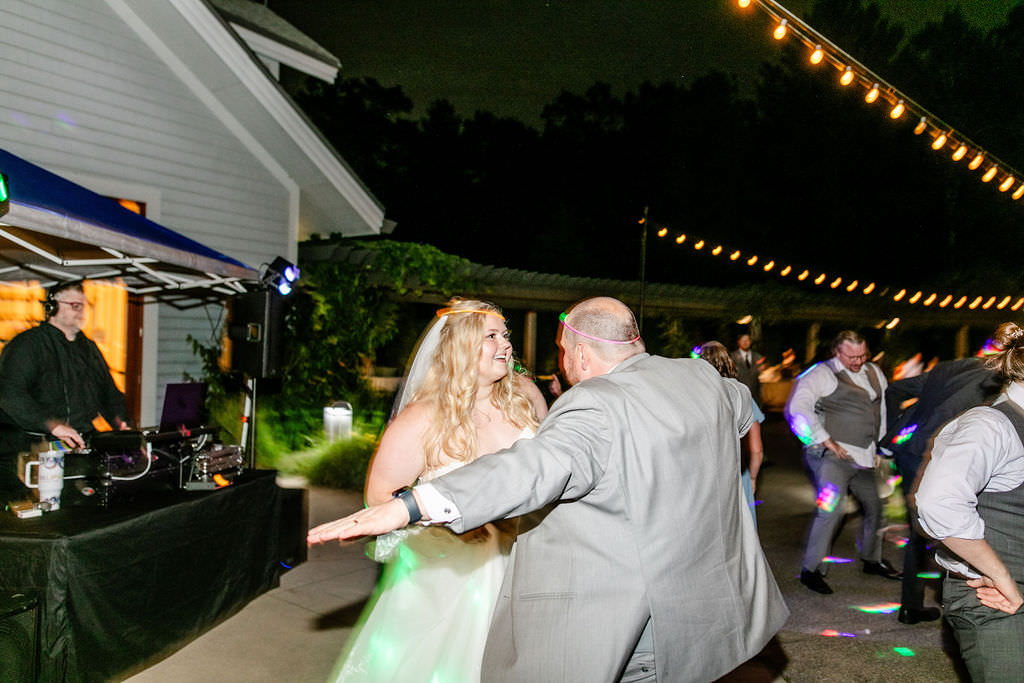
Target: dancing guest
428,618
715,353
971,498
644,565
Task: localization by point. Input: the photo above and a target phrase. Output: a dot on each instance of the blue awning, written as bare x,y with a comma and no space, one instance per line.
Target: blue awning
57,230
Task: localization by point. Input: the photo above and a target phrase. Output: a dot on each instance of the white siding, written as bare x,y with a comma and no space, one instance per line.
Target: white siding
79,91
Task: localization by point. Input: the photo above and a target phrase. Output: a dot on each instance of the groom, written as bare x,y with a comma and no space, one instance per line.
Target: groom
645,565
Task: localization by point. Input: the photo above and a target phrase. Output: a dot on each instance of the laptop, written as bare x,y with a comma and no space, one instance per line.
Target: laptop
184,406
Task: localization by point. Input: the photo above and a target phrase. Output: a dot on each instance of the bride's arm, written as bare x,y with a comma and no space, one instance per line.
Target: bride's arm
400,458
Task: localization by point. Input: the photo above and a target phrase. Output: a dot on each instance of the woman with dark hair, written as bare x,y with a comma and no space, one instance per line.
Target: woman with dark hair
715,353
971,498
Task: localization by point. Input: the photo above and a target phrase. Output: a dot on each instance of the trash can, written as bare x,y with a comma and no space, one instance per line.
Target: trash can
338,420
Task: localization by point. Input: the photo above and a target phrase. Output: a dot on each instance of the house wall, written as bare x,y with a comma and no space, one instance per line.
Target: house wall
82,95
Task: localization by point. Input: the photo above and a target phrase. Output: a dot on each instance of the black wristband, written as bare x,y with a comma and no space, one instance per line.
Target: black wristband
405,495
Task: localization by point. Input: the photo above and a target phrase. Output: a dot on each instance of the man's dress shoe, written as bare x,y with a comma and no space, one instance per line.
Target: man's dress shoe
814,581
909,615
882,568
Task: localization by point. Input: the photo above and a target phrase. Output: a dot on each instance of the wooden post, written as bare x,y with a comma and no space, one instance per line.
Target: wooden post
530,341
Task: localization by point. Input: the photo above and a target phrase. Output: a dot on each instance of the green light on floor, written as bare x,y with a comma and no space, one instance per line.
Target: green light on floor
903,651
3,188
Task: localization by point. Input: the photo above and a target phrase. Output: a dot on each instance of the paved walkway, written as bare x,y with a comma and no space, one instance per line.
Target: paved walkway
294,632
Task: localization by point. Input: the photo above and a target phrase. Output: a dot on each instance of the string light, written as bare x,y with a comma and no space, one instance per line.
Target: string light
989,174
892,323
1006,184
680,239
822,50
984,302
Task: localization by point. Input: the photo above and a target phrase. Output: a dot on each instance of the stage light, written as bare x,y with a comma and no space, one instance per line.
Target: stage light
921,126
281,275
1006,184
960,152
898,110
872,94
780,30
847,77
940,141
990,173
5,196
817,55
976,161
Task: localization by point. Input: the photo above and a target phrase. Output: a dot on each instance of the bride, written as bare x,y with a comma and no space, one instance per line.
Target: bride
429,616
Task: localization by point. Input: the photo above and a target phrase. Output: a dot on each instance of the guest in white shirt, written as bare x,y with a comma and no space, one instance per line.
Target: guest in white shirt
971,497
837,410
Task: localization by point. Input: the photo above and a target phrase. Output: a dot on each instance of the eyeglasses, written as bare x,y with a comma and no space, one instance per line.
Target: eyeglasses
76,306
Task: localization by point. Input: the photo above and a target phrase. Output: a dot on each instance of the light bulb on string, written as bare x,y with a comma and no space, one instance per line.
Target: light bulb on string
930,300
1002,304
847,77
662,232
945,301
870,288
768,266
1018,304
699,245
974,304
734,255
717,250
743,3
752,260
898,110
899,295
978,159
990,173
892,323
914,299
1019,192
780,31
817,55
960,302
988,304
872,94
852,286
821,278
803,276
835,283
960,152
1006,184
680,239
786,271
939,142
921,126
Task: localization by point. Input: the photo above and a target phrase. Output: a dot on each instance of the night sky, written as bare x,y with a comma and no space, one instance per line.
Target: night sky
511,57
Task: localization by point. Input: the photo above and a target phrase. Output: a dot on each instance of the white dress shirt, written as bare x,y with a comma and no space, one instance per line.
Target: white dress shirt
977,451
820,381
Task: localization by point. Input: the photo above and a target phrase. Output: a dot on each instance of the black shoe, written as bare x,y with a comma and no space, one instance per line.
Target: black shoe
882,568
814,581
909,615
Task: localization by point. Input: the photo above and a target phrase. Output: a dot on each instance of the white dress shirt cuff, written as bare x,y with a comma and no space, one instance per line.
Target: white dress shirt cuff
436,508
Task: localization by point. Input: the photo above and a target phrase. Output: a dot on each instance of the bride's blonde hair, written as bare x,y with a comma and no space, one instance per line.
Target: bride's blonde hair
450,386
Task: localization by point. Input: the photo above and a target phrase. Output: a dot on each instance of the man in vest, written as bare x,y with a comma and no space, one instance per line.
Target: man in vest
837,410
749,364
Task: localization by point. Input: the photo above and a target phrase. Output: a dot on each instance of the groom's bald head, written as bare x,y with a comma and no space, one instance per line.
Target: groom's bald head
597,334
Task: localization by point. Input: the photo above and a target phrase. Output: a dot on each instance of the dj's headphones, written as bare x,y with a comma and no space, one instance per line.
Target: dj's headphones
50,304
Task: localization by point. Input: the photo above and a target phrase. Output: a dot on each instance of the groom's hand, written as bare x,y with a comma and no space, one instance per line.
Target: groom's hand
372,521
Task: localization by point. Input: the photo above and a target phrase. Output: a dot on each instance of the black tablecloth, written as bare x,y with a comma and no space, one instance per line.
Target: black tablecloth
124,584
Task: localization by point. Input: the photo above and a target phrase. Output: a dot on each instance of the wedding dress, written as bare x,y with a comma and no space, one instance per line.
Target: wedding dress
427,621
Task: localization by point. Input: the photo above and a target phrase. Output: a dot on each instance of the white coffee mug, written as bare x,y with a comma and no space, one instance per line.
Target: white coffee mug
50,478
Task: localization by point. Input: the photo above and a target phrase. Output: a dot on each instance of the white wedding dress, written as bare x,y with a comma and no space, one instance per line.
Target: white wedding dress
428,618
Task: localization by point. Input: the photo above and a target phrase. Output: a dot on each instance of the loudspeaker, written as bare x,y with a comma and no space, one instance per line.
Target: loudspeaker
255,328
19,637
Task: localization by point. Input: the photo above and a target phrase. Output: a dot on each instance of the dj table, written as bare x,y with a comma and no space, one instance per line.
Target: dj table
122,585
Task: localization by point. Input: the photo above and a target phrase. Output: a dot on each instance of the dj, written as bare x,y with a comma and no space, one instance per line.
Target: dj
53,382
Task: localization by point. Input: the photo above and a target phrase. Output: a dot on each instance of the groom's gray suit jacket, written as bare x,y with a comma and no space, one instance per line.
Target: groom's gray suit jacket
648,522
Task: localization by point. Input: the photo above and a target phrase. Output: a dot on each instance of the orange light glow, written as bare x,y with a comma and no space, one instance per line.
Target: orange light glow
743,3
821,278
899,295
921,126
852,286
1020,302
699,245
988,304
768,266
680,239
872,94
803,275
989,174
976,161
945,301
914,299
974,304
734,255
1019,192
960,153
786,271
939,142
1006,184
780,31
835,283
870,288
662,232
752,260
717,250
931,299
960,302
1002,304
817,55
898,110
847,77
